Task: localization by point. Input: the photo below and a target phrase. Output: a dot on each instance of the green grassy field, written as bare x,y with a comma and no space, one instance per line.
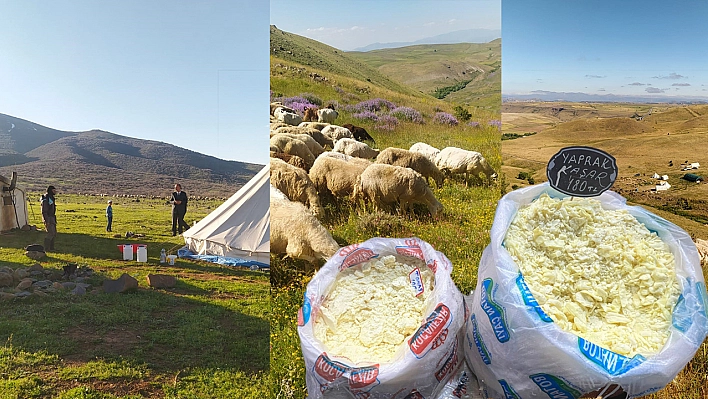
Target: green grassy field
205,338
461,232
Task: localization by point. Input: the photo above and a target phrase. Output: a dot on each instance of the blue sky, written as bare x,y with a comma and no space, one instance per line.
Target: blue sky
631,47
189,73
348,24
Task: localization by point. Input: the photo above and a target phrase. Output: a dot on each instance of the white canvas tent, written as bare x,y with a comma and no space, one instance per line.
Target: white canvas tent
238,228
13,205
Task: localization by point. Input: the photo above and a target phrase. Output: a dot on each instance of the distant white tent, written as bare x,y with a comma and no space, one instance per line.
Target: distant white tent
13,205
656,176
238,228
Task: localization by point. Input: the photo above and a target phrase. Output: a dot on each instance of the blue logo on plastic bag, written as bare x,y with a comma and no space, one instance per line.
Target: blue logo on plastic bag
479,343
609,361
681,316
555,387
509,392
529,299
303,315
494,311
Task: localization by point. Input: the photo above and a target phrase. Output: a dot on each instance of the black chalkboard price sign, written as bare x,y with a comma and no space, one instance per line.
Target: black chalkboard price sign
582,171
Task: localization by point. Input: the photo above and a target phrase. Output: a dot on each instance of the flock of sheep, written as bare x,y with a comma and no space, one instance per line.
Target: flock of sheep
312,160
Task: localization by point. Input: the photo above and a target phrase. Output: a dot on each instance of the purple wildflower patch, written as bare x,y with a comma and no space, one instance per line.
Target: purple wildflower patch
496,123
473,124
407,114
366,115
373,105
386,122
443,118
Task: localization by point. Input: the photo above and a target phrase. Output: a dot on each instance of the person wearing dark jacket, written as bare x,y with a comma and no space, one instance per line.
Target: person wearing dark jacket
49,217
179,209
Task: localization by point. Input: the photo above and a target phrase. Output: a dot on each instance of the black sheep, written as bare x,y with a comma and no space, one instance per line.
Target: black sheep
359,133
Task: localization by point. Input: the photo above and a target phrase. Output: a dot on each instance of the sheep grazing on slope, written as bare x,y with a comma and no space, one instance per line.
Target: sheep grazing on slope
455,160
427,150
337,133
310,115
314,147
327,115
702,247
355,149
295,232
285,143
320,138
314,125
359,132
277,125
336,176
413,160
291,118
295,184
293,160
276,105
385,185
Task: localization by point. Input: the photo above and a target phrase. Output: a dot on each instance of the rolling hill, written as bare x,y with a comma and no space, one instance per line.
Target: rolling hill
430,67
102,162
307,52
644,138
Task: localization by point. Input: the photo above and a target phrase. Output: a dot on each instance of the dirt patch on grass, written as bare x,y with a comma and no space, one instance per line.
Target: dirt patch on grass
117,341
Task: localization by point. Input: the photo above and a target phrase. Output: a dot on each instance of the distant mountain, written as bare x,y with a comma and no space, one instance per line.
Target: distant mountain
541,95
460,36
103,162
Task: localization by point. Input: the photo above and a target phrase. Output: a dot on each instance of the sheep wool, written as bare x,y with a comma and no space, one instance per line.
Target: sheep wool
372,308
599,274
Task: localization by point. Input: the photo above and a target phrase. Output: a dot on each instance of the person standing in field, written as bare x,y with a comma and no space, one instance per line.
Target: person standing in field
109,215
179,209
49,217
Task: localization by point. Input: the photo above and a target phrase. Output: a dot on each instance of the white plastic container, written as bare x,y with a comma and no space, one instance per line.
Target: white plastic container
142,253
171,259
127,252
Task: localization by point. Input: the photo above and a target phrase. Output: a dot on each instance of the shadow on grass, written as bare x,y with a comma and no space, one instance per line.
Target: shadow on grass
220,324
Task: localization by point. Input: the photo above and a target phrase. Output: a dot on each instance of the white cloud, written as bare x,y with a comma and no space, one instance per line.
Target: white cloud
653,90
429,24
452,21
672,75
595,76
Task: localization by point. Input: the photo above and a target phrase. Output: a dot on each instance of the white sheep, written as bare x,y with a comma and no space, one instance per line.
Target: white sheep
295,184
453,160
314,125
295,232
319,137
337,132
289,145
427,150
337,176
413,160
291,118
355,148
702,247
276,125
326,115
385,185
314,147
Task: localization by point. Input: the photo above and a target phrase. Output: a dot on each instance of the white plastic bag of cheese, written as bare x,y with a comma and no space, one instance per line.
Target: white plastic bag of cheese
516,351
426,361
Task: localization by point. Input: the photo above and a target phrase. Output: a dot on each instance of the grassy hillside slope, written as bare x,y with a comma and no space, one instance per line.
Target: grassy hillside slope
431,67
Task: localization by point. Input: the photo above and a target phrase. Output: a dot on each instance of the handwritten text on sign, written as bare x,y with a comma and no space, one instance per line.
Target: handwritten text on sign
582,171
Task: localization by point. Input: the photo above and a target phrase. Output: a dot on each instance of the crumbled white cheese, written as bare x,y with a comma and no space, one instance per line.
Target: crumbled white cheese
372,309
597,273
